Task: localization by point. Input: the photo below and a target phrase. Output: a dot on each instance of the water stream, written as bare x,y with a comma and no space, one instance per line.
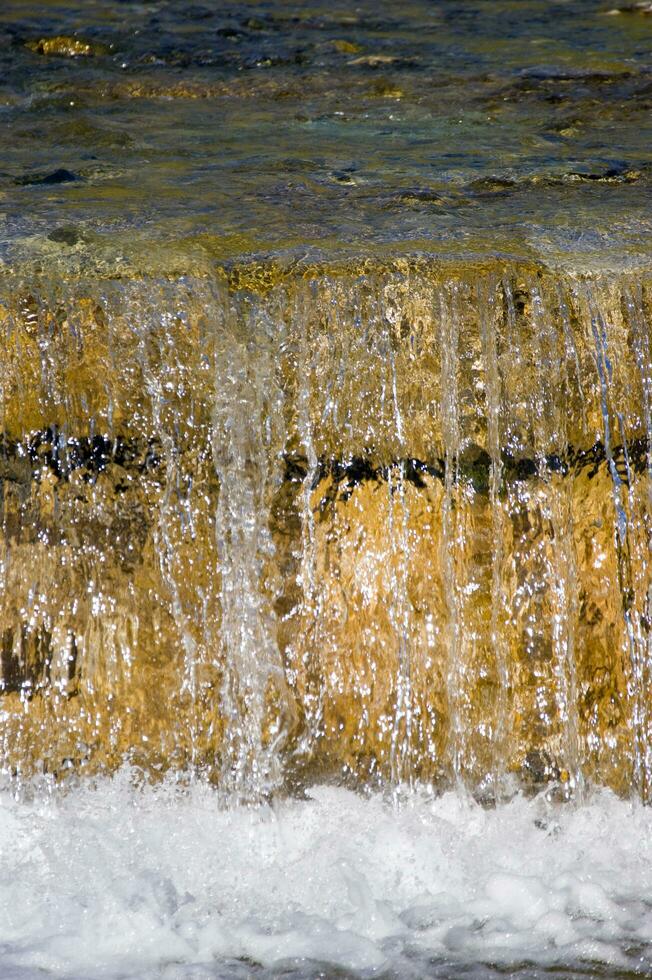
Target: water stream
388,532
325,490
441,486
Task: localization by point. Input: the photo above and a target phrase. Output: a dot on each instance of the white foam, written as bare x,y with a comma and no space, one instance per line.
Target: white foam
115,881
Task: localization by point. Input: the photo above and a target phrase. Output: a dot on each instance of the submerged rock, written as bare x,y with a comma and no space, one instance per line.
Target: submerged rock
60,176
67,46
502,186
644,8
614,175
346,47
375,60
66,235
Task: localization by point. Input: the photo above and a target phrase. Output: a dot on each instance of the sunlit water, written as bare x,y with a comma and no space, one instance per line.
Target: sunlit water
168,600
325,489
216,130
113,882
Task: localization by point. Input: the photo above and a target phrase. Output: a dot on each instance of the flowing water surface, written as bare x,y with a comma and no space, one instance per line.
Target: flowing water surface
325,489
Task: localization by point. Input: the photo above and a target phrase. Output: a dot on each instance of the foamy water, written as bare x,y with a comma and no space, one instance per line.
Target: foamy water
115,882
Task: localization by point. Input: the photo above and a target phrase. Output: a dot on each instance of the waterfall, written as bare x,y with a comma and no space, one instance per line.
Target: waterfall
389,526
248,444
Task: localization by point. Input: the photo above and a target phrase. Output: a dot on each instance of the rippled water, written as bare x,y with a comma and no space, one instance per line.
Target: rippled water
235,128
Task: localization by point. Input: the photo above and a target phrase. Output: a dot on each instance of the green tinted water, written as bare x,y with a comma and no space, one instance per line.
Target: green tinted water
220,130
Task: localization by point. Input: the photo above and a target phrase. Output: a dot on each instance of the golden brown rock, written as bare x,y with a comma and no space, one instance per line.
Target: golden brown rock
393,524
67,46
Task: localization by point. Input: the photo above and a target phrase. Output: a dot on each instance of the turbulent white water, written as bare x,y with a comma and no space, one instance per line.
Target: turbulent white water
113,881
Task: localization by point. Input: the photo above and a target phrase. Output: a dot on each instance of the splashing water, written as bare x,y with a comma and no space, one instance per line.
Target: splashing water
113,881
385,531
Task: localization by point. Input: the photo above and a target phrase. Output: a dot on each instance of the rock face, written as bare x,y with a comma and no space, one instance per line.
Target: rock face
390,523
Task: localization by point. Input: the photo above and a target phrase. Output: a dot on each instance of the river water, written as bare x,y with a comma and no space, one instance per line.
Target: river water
326,507
247,128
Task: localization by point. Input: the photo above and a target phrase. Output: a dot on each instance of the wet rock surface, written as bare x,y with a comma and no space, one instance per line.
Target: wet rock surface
67,235
433,520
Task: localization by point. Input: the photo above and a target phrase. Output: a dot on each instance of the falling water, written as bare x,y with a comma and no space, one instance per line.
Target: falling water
248,443
383,529
393,526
